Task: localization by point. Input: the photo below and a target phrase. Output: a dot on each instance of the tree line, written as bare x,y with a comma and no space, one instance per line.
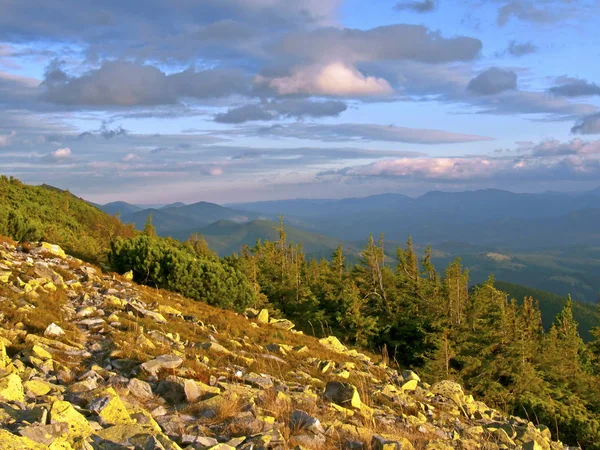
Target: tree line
423,319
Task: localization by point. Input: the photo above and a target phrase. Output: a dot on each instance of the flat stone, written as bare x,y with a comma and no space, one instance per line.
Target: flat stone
162,362
11,388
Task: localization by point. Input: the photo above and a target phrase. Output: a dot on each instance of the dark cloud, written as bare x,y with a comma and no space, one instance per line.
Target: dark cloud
424,6
493,81
287,108
106,132
521,48
575,87
587,125
246,113
126,84
385,43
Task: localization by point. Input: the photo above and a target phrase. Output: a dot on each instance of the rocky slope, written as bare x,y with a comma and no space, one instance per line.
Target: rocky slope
92,361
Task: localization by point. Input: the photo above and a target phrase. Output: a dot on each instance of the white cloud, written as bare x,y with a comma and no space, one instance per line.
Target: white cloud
6,139
62,154
336,79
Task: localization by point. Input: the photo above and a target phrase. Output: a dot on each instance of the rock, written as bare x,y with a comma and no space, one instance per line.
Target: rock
410,385
54,330
532,445
196,440
301,420
45,434
449,389
333,343
64,412
381,443
37,388
11,388
282,324
42,270
140,389
10,441
110,409
344,394
409,375
263,316
52,249
162,362
215,348
128,275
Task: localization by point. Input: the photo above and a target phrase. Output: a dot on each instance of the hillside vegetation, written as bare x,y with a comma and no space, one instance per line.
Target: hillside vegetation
89,360
585,314
31,213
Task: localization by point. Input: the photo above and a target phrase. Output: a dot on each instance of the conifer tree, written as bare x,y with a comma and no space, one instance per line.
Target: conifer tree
149,229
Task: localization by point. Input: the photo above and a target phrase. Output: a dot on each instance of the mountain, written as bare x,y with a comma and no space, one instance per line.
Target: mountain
444,216
319,207
226,237
121,208
585,314
180,220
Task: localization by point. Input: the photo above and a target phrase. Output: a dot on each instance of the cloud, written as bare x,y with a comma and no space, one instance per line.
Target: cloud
243,114
106,132
401,42
62,154
423,6
127,84
575,87
587,125
521,48
548,160
292,108
334,79
525,11
425,168
364,132
6,139
493,81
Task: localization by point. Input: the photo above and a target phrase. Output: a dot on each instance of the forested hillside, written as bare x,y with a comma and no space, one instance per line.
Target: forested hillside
585,314
31,213
416,315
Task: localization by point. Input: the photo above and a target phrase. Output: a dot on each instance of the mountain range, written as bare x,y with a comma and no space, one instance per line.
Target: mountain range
549,241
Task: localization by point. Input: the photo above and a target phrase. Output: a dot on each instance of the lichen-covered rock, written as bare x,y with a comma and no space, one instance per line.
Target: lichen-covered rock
11,388
64,412
110,409
344,394
9,441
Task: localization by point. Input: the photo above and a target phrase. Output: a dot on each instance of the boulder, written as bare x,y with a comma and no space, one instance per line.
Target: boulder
381,443
52,249
343,394
54,330
333,343
162,362
11,388
64,412
301,420
10,441
140,389
110,409
263,316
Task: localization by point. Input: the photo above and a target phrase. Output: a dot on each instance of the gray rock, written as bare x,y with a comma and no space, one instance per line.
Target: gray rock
162,362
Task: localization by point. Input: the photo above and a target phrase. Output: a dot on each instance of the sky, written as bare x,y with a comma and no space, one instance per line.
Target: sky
158,101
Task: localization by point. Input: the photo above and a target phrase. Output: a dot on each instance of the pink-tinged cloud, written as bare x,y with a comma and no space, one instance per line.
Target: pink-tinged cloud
62,153
335,79
428,168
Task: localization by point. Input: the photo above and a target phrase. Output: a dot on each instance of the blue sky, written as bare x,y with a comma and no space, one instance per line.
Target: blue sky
241,100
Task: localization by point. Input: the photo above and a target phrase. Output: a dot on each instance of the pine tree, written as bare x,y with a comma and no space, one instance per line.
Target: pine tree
149,229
